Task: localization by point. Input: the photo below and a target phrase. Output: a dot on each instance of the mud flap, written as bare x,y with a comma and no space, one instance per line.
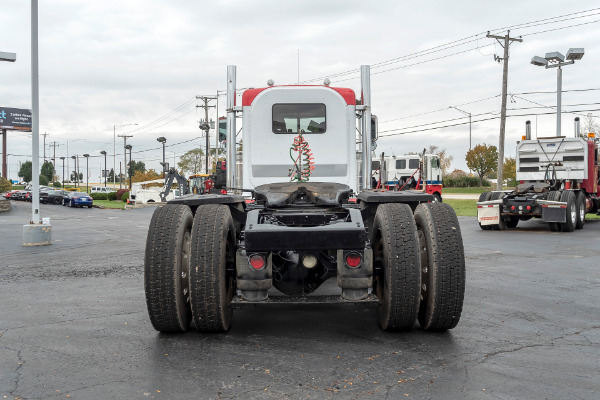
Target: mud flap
554,213
488,214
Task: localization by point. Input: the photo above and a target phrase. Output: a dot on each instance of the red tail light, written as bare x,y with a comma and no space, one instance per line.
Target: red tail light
257,262
353,260
528,208
512,207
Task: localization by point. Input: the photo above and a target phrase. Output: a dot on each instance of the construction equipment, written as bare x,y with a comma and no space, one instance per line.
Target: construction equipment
171,176
312,217
558,183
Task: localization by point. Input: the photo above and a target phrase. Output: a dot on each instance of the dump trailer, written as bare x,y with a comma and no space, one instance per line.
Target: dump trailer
558,183
312,233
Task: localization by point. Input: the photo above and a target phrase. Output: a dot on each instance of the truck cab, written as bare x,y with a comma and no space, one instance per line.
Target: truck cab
274,119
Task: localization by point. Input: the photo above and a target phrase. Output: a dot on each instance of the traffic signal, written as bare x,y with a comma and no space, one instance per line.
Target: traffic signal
222,129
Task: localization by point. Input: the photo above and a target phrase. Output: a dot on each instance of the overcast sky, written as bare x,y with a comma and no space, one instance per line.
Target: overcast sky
106,63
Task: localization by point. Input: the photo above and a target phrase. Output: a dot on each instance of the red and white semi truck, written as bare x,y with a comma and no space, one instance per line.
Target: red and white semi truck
558,183
207,253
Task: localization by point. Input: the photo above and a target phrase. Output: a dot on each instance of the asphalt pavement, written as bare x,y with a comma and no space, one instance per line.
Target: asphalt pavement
74,325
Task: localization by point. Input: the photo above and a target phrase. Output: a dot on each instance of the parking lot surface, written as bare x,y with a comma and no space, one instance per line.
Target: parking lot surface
74,325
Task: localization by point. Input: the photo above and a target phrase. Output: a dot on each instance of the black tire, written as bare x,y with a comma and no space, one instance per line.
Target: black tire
569,225
89,206
437,198
512,222
580,202
442,266
213,253
56,201
70,204
397,278
166,268
554,195
485,196
501,223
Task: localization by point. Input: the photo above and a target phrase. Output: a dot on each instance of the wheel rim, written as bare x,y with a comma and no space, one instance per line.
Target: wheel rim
424,266
582,211
185,267
573,216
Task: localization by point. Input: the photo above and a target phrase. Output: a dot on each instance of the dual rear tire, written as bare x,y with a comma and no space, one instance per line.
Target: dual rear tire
185,268
419,266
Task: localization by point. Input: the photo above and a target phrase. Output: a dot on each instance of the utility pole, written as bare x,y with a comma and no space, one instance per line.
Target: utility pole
54,158
507,41
206,125
45,134
124,156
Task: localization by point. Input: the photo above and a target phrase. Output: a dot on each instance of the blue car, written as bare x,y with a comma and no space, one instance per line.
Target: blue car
78,199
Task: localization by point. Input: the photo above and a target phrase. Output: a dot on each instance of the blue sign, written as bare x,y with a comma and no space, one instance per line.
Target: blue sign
15,119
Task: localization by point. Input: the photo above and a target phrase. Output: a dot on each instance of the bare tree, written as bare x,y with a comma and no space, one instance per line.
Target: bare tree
445,159
590,125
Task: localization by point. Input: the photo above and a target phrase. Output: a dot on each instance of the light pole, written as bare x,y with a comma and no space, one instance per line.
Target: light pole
205,127
104,153
557,60
76,176
469,114
128,147
87,174
115,151
163,140
63,180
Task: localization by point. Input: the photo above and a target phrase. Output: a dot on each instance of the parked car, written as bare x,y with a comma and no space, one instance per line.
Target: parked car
10,193
78,199
101,189
57,196
19,195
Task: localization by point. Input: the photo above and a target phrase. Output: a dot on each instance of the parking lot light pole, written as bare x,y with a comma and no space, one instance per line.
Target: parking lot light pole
63,181
104,153
557,60
163,140
87,174
75,171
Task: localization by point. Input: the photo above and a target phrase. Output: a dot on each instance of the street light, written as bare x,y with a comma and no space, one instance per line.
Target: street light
557,60
128,147
469,114
63,181
87,174
76,174
104,153
163,140
115,150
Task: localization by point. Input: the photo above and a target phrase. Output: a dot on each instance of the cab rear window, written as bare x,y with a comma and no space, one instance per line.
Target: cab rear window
299,117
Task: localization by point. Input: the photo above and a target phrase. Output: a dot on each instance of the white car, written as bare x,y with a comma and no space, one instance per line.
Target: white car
101,189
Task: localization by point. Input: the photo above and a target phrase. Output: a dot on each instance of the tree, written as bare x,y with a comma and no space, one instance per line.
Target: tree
5,185
589,125
111,176
509,171
191,161
44,180
482,159
75,178
149,175
457,173
47,170
134,166
445,159
25,171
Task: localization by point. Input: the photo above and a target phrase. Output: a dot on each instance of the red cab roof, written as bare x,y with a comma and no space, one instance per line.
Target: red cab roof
250,94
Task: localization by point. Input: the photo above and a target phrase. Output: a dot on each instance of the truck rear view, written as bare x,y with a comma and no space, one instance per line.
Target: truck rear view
313,219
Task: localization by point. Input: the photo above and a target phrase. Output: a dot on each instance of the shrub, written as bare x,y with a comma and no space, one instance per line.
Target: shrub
125,197
56,184
464,181
5,185
99,196
44,180
112,196
119,193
